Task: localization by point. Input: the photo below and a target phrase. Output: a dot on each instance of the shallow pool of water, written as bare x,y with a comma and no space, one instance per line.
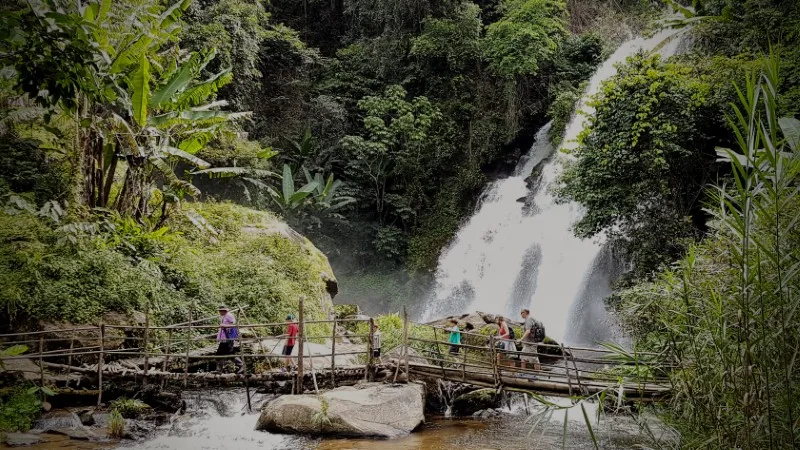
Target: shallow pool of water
219,420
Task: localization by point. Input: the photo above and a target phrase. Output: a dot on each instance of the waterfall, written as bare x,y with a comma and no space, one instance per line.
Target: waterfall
518,249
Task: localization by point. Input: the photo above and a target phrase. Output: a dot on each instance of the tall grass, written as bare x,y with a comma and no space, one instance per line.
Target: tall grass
727,316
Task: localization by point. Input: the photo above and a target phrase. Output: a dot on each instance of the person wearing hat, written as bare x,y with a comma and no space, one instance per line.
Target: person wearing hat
292,330
226,336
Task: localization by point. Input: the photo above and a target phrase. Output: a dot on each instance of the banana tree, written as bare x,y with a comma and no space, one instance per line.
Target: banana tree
137,100
289,198
166,118
326,197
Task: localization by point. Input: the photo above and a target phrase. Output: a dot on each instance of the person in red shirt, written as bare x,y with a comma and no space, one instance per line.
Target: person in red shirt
292,331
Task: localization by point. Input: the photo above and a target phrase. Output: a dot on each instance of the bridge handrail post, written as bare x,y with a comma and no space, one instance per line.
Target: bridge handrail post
371,351
100,365
404,349
405,339
333,354
577,372
244,369
566,369
464,366
188,347
71,347
495,373
169,351
144,344
41,364
300,348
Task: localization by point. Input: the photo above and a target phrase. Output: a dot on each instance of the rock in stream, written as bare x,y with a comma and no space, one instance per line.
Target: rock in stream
365,410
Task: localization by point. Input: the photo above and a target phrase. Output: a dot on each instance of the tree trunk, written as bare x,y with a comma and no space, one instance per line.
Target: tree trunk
134,195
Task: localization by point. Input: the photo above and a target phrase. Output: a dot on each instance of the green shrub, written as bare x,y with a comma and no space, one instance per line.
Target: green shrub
122,266
129,408
19,409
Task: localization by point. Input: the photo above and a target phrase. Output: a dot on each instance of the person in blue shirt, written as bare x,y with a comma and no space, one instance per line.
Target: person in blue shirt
455,337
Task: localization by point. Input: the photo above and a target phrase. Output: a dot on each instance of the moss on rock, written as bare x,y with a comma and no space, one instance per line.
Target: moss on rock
244,258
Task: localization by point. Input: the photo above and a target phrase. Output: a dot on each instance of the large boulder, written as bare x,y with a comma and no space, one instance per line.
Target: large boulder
365,410
472,402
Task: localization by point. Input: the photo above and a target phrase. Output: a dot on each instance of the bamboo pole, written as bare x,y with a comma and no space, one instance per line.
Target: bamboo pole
495,373
566,370
188,346
371,350
71,346
333,354
405,338
404,349
169,351
146,353
300,348
244,367
36,333
100,365
464,366
41,366
577,372
311,366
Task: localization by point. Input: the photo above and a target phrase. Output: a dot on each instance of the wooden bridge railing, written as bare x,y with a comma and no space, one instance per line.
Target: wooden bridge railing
563,370
147,351
154,350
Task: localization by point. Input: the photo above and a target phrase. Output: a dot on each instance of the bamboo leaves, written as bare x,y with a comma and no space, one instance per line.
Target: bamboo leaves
791,131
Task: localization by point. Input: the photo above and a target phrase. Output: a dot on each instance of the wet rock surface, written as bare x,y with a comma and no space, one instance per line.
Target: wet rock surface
472,402
366,410
22,439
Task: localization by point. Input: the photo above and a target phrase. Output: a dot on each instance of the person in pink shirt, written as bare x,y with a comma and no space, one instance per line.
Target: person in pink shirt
292,330
226,336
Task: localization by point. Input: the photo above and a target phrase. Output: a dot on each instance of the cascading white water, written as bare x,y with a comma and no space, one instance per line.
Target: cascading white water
518,250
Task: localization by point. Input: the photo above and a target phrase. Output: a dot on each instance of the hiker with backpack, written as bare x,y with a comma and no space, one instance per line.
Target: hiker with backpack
505,334
533,333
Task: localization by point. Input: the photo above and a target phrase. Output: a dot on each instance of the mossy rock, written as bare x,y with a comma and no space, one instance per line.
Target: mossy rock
472,402
343,311
243,257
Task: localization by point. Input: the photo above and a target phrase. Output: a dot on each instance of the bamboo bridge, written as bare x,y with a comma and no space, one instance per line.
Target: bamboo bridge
84,359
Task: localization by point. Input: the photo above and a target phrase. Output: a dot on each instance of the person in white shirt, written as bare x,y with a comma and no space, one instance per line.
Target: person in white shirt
376,342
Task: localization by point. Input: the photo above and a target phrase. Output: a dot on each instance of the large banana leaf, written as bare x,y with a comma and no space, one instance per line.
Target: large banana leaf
131,54
197,162
141,91
196,95
172,15
224,172
173,179
178,82
188,117
288,183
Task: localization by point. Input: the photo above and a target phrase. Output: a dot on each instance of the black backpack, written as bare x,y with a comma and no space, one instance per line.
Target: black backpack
511,334
538,331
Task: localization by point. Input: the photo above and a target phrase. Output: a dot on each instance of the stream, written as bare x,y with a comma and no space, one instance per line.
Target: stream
218,419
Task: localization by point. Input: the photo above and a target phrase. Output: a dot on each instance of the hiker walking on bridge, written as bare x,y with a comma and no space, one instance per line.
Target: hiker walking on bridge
506,335
533,332
226,336
292,330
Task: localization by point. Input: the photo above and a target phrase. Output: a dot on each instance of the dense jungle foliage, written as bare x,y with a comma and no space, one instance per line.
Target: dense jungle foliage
369,126
133,134
691,166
